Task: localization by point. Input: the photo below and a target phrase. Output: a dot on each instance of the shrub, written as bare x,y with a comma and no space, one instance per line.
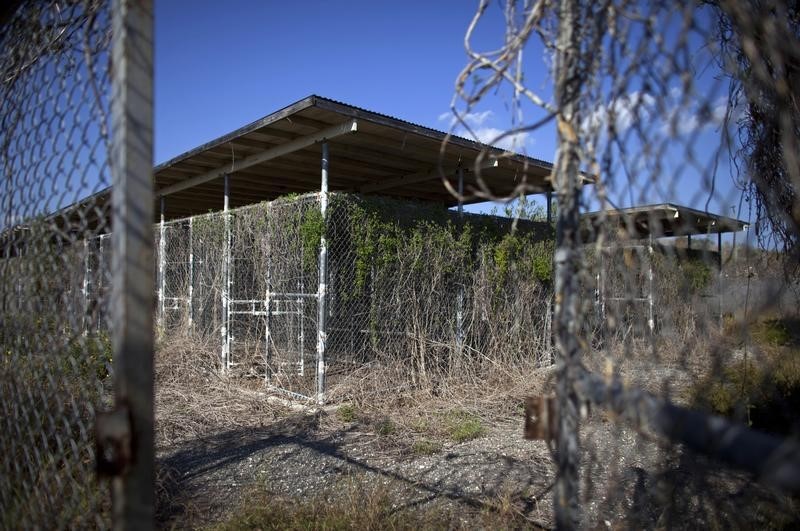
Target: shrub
346,413
463,426
426,447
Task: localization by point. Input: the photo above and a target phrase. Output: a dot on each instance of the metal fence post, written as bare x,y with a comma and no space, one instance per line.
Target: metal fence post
651,317
226,264
460,294
190,297
132,256
161,268
267,299
566,324
720,291
322,292
85,288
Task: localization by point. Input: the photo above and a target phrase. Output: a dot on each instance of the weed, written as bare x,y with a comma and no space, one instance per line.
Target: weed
385,427
772,332
766,392
426,447
463,426
346,413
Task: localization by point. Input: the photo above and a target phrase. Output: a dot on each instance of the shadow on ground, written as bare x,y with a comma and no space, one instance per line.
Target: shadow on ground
203,480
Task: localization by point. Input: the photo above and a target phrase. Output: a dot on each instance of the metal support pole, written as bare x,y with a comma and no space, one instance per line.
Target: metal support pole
719,277
568,261
322,292
301,307
603,288
161,262
132,286
190,297
85,290
226,263
597,298
268,301
549,207
651,321
460,294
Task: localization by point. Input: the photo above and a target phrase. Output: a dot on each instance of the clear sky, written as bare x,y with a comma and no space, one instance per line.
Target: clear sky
222,64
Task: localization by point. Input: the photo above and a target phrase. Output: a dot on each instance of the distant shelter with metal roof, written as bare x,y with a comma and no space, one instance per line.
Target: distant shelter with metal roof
659,221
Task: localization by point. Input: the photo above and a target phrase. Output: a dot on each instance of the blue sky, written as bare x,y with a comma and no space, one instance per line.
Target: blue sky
220,65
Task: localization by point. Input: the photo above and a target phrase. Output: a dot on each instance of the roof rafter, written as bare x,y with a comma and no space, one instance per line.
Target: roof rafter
350,126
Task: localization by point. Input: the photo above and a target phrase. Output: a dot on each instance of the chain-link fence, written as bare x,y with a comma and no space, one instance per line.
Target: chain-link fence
412,287
64,140
662,317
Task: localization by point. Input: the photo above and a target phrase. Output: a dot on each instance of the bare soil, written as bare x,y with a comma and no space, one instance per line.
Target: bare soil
627,481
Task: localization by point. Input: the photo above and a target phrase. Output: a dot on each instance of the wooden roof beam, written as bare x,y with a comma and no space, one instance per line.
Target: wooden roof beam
350,126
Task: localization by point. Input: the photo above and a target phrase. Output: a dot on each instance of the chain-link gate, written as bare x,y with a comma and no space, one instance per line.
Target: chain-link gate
75,119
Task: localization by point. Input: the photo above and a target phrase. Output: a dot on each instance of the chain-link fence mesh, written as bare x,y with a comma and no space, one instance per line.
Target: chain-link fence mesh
662,106
414,289
64,133
54,340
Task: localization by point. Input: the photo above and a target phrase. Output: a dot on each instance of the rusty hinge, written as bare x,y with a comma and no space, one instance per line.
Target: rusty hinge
112,436
541,421
541,417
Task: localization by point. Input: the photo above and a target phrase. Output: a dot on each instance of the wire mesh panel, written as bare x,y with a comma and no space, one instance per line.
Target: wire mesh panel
207,244
416,288
411,288
176,275
290,267
54,109
676,126
59,153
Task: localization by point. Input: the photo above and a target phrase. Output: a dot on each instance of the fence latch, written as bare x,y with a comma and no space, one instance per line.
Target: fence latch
113,441
541,421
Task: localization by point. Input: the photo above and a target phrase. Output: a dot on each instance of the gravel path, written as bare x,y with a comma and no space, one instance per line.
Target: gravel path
627,481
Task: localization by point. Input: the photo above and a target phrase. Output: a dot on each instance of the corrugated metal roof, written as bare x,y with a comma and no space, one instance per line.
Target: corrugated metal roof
386,156
661,220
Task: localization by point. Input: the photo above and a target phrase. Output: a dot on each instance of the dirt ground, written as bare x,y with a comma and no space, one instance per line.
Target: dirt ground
627,481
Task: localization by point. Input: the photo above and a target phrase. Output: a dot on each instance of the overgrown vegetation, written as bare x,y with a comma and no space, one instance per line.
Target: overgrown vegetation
763,388
381,230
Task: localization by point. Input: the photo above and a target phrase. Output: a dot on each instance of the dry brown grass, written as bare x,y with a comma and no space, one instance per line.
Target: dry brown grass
193,399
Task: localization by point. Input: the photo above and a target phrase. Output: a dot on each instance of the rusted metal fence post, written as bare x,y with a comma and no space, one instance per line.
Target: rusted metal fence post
132,256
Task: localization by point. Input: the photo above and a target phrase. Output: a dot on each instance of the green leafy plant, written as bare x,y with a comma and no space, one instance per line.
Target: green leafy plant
346,413
463,426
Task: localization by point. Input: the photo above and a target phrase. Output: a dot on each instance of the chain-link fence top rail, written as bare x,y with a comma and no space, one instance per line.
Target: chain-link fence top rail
682,102
409,286
54,348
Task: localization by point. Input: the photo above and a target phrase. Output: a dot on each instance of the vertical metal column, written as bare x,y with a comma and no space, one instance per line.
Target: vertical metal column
132,289
549,207
267,301
85,289
651,320
460,294
190,298
719,276
226,263
301,311
569,338
603,288
161,275
322,291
